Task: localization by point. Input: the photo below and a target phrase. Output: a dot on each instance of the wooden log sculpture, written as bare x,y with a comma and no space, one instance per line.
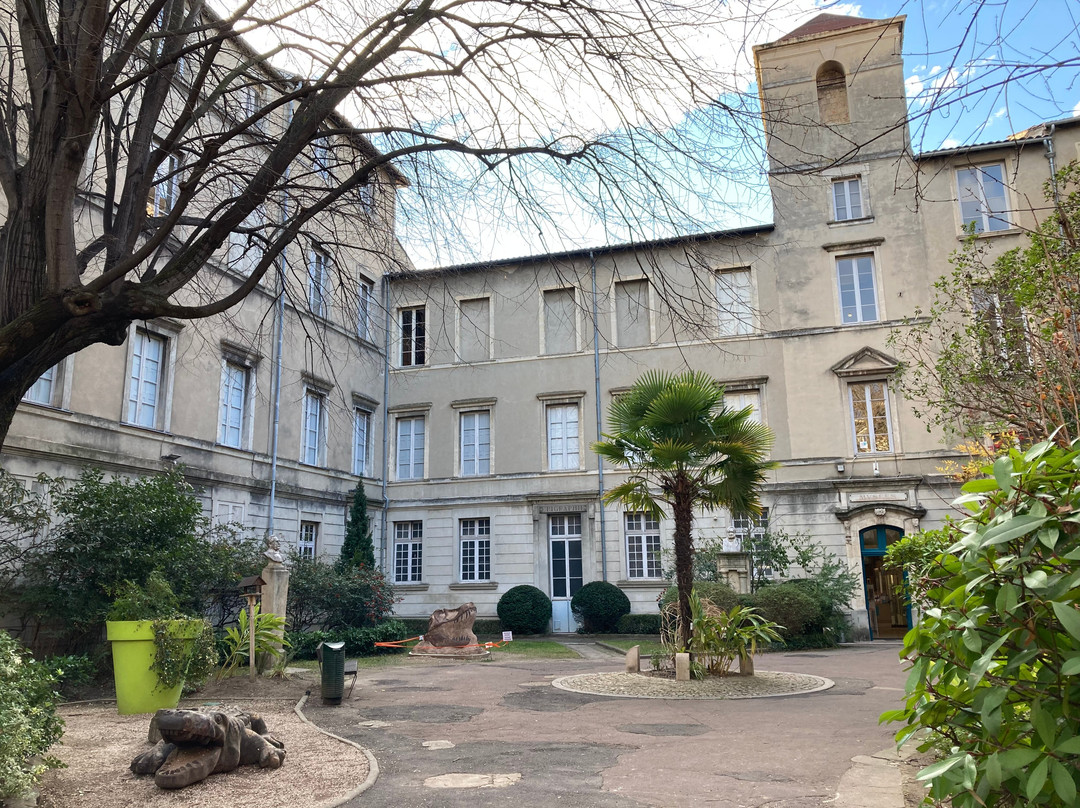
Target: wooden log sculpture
197,743
450,633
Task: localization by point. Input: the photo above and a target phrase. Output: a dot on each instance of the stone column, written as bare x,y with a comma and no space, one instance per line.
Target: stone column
275,592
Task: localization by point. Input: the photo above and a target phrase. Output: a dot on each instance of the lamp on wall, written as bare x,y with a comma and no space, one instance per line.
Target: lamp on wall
839,468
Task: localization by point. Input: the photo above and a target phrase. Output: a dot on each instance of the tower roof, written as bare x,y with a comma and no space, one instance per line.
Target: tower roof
825,23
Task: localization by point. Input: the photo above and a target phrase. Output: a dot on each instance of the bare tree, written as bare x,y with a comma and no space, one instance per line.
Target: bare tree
156,158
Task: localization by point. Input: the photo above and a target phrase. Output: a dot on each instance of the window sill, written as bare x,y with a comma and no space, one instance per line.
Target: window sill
477,586
643,583
1011,231
414,587
846,222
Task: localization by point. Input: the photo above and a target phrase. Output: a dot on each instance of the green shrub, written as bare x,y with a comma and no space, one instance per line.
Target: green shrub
488,627
483,626
638,624
599,605
994,680
336,596
790,606
150,602
524,609
722,596
359,642
29,724
72,672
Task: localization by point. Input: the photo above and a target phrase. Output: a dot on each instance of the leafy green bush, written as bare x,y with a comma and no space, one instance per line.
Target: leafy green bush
29,724
150,602
638,624
524,609
269,642
359,642
72,672
996,656
334,596
599,605
719,593
487,627
790,606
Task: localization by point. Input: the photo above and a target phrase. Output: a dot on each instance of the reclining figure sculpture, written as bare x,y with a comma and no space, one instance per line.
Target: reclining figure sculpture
197,743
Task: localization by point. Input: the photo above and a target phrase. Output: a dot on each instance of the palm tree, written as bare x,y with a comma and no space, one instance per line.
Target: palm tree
683,448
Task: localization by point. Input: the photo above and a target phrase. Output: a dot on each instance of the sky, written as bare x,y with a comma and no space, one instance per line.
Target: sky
975,71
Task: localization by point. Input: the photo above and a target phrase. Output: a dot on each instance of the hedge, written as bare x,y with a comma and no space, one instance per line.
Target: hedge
359,642
638,624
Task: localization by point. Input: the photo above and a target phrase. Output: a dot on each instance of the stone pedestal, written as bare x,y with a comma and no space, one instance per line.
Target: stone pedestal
682,667
734,569
275,592
633,660
746,665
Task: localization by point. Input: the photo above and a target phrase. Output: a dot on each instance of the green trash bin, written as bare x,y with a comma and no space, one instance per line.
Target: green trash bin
333,672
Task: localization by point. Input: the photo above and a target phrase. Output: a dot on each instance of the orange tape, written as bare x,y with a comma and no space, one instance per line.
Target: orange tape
401,644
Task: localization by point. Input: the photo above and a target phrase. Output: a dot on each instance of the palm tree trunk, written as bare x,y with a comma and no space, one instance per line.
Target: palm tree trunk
682,510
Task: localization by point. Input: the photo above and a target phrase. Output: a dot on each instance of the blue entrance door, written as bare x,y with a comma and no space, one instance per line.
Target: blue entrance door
887,608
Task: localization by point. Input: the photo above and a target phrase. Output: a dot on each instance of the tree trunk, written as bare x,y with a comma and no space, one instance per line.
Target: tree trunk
682,510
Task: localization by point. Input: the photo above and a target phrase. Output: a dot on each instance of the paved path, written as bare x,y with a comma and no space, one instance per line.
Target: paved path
439,729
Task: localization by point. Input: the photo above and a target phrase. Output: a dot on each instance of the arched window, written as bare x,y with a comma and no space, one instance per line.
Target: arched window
832,93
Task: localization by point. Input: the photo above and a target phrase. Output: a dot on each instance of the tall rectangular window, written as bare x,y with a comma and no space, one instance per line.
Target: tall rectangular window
318,276
412,322
735,302
632,313
743,527
408,552
226,513
475,549
163,195
410,448
847,199
41,391
562,437
324,157
308,545
475,443
642,546
245,248
254,101
858,300
363,309
741,399
313,429
361,441
983,202
474,344
234,404
145,390
870,417
560,321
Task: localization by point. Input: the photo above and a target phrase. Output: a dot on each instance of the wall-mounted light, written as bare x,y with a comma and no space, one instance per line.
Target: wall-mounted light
839,468
877,471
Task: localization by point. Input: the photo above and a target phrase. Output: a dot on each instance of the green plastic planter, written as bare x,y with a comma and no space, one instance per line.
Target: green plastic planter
137,687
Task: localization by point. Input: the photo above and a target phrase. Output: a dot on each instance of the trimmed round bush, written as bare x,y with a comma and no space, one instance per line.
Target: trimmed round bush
599,605
791,606
722,596
524,610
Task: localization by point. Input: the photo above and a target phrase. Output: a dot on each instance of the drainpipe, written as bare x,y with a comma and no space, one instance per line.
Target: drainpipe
1048,143
386,418
599,417
279,340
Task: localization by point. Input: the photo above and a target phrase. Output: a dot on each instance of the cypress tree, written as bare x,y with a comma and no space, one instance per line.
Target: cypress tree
358,549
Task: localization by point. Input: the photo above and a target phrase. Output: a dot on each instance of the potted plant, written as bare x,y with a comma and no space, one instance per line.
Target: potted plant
154,647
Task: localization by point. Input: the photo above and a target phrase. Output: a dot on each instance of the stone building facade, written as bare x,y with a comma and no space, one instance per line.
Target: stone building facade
465,398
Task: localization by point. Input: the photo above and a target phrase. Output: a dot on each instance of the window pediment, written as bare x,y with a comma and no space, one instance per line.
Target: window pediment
867,362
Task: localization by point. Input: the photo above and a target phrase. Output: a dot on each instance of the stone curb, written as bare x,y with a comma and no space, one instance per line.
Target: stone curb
373,765
873,781
823,684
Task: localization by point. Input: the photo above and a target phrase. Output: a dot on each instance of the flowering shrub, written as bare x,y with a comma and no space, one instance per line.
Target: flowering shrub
328,596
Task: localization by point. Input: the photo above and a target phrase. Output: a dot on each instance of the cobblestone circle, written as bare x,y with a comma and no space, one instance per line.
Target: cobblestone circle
640,686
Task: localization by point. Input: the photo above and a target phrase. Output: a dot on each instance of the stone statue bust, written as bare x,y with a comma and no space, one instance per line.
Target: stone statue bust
273,550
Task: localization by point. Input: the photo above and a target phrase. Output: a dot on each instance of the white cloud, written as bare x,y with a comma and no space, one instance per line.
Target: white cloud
950,143
1076,109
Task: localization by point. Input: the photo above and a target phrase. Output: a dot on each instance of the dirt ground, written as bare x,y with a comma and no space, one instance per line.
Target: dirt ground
914,790
98,747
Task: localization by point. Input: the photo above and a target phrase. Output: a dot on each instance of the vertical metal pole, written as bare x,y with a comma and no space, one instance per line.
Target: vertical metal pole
599,418
251,636
385,421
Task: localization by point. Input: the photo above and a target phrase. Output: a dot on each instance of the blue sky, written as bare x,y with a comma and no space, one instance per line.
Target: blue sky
975,71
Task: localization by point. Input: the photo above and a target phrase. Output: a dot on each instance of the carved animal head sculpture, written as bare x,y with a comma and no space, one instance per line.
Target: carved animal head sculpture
452,627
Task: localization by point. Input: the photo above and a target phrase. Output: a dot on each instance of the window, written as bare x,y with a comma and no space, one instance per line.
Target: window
364,294
361,441
870,417
235,379
847,199
412,322
741,399
245,248
366,194
408,552
562,435
858,301
1002,330
734,300
983,202
475,549
832,93
226,513
254,101
146,383
475,443
743,527
43,390
324,156
410,448
163,194
642,546
560,321
474,343
632,313
313,429
308,545
318,273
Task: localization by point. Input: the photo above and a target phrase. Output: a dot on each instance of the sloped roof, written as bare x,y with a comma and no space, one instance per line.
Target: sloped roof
825,23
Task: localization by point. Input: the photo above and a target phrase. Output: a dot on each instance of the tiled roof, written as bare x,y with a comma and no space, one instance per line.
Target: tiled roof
823,23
